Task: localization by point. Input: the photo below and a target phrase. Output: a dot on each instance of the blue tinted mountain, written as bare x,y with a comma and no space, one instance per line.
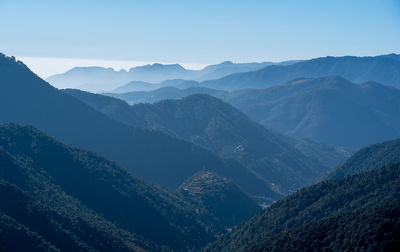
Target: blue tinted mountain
219,127
163,94
330,110
106,79
383,69
140,86
151,155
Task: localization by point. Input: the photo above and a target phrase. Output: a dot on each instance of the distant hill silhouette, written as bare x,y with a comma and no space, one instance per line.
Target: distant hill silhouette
219,127
106,79
154,156
76,200
335,215
384,69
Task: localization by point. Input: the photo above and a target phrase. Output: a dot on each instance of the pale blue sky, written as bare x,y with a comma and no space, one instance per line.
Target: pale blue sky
199,32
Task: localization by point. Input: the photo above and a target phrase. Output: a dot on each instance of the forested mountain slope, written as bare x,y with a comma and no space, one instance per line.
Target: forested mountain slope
77,200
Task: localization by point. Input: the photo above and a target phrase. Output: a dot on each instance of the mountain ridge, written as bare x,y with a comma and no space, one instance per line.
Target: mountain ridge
219,127
151,155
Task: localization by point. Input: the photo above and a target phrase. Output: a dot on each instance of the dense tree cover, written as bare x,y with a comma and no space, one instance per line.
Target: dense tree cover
219,127
373,228
16,237
150,155
223,204
78,201
369,158
322,209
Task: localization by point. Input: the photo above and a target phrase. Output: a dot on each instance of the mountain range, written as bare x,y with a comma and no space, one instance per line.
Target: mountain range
154,156
75,200
100,79
96,173
163,93
383,69
359,212
219,127
330,110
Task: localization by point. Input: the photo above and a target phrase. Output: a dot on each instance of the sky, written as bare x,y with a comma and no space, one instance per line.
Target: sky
52,36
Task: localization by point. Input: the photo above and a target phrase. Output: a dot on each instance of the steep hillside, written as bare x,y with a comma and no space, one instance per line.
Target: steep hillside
373,228
369,158
381,69
323,213
219,127
77,200
220,198
153,156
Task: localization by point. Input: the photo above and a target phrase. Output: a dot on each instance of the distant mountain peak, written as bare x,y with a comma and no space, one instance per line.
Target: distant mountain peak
158,66
84,69
227,63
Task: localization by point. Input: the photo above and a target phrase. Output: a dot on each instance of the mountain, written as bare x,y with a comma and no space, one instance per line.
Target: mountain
392,56
163,94
219,198
330,110
153,156
106,79
227,67
140,86
383,69
379,232
75,200
369,158
359,213
158,72
219,127
328,155
99,78
90,78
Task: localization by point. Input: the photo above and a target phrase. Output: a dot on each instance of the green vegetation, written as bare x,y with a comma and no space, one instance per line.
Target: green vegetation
373,228
326,209
219,127
150,155
223,204
76,200
369,158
